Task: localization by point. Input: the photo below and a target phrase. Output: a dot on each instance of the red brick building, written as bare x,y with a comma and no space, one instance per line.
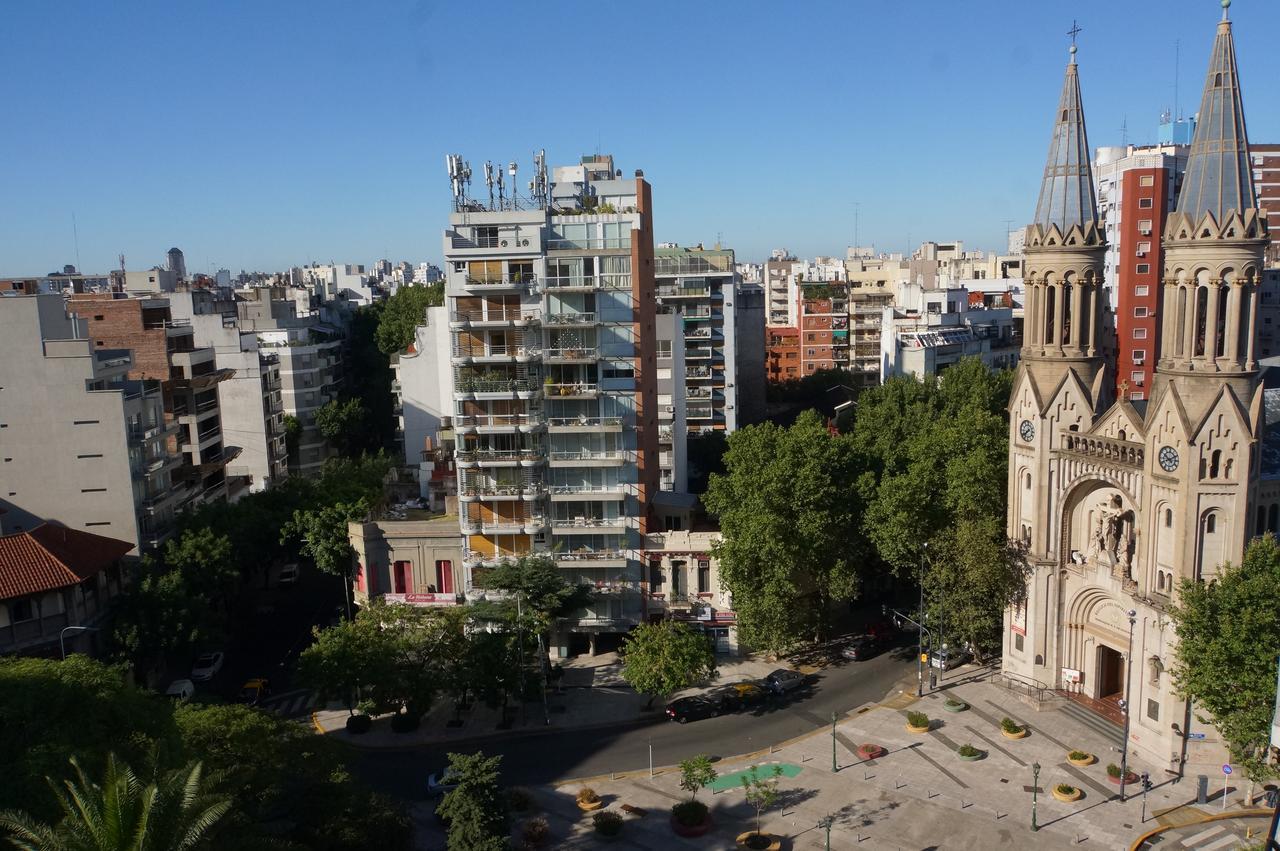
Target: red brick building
1265,162
1145,199
782,354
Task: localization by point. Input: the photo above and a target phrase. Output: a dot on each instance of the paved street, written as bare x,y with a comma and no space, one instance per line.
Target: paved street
535,759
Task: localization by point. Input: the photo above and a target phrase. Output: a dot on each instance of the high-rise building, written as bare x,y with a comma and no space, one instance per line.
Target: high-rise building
1265,161
83,445
1118,501
554,389
177,264
1137,189
164,351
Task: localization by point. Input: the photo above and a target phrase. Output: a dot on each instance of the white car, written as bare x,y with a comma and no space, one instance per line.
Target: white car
288,575
207,666
440,783
180,689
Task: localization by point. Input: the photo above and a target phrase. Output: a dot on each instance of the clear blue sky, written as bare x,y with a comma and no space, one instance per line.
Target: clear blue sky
261,135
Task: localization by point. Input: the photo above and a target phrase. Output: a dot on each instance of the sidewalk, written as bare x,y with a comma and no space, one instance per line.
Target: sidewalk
1212,834
919,795
592,694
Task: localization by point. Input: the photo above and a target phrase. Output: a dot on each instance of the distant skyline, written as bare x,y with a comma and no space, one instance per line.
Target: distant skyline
261,136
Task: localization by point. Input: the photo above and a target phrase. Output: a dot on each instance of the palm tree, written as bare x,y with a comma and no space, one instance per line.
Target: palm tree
175,811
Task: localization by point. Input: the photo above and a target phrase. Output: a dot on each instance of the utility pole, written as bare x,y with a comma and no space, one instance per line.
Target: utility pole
834,766
825,823
1035,788
1124,745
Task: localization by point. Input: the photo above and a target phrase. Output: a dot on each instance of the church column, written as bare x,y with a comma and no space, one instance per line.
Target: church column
1030,312
1059,299
1189,329
1211,324
1253,320
1092,342
1232,349
1077,306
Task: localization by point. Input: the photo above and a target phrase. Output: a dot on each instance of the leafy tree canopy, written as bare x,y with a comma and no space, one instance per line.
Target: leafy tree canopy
404,312
343,424
663,658
476,808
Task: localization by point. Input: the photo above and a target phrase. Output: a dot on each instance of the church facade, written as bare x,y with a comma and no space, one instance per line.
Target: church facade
1116,501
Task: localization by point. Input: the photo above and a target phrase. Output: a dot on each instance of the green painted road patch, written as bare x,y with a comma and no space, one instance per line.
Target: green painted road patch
734,780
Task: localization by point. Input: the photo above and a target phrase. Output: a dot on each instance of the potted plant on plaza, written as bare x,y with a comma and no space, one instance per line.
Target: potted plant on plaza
1067,793
607,823
969,753
535,832
917,722
691,817
588,800
867,750
761,794
1081,758
954,704
405,722
362,720
1011,729
1114,773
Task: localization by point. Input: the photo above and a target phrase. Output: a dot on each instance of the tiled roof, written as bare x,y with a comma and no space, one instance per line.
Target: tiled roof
50,557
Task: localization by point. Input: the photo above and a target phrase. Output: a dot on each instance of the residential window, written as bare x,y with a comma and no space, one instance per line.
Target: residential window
704,576
1140,312
1143,247
1139,355
1142,289
1146,203
1147,180
487,237
664,348
1137,378
21,610
1144,226
655,576
1139,333
1144,268
1137,396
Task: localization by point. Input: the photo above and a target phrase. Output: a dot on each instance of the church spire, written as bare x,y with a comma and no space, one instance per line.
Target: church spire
1066,192
1218,179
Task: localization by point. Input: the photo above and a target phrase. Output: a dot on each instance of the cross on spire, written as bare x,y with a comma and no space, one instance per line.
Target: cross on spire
1073,32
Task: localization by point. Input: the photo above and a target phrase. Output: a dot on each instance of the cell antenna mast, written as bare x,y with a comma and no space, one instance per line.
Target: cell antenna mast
489,179
75,235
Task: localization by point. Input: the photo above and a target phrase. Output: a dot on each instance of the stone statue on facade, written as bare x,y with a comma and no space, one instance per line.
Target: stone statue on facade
1113,537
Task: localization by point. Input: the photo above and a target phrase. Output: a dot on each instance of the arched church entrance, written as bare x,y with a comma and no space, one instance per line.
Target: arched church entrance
1110,681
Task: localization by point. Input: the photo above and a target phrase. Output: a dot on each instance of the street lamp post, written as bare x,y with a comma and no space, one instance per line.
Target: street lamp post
825,823
62,636
834,766
1128,668
1035,788
920,635
920,653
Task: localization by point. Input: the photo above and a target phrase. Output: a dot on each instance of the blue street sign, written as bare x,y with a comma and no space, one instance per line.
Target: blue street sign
1195,737
1226,769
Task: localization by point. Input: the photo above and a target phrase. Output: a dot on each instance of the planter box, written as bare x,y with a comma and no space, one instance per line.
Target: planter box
1129,780
1089,760
589,806
1021,734
869,751
1066,799
959,706
691,830
911,729
775,843
979,755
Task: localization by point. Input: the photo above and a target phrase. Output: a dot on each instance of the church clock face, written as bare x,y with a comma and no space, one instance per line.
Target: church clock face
1168,459
1027,430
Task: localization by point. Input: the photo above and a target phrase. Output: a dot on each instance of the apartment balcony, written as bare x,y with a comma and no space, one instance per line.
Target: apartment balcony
700,393
575,390
572,493
143,433
499,458
474,388
697,333
572,319
699,372
584,558
498,423
494,492
607,243
509,318
678,291
494,354
699,413
699,353
696,314
583,424
578,355
588,283
588,525
587,458
504,283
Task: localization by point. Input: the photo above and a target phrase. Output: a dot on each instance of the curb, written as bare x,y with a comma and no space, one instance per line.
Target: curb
1253,813
484,737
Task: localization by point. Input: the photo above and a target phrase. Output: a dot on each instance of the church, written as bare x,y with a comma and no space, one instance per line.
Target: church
1114,500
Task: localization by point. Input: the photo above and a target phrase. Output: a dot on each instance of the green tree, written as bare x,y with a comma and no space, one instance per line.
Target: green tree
476,809
161,614
540,585
174,812
697,772
373,389
292,433
762,792
665,657
205,560
1228,643
343,424
403,313
346,657
323,534
973,573
791,520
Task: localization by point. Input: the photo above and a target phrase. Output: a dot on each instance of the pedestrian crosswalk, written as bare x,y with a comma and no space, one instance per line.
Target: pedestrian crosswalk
291,704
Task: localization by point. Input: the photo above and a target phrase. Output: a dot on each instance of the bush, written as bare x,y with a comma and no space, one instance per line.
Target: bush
405,722
951,701
607,822
535,831
1010,726
357,724
917,719
1065,789
968,750
587,795
1078,755
519,799
690,813
1113,770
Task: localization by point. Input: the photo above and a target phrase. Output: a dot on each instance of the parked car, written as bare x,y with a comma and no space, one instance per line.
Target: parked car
207,666
180,689
254,691
948,659
861,648
288,575
439,783
692,708
784,680
746,693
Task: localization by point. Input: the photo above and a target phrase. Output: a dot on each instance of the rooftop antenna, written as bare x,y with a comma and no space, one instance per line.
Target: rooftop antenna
538,186
502,200
488,179
75,235
1124,132
512,168
459,179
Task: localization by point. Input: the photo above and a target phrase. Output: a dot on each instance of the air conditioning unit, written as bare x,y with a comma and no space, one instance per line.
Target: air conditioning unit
1142,254
670,409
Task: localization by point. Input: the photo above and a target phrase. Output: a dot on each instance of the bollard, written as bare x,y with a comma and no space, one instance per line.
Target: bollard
1202,789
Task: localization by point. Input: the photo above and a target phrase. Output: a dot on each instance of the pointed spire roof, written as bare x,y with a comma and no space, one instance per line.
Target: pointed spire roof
1218,178
1066,193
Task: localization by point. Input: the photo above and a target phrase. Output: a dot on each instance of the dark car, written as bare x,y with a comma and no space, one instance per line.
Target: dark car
692,708
861,648
784,680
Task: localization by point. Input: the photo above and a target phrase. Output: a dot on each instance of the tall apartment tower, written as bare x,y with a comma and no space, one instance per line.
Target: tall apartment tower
177,264
1118,502
82,444
552,317
1265,160
1137,188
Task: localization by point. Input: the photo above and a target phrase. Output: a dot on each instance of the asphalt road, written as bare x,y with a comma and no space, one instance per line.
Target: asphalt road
540,758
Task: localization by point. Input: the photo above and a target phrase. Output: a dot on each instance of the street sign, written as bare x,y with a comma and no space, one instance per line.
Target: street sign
1226,769
1195,737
